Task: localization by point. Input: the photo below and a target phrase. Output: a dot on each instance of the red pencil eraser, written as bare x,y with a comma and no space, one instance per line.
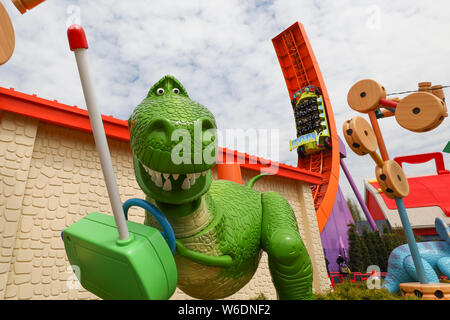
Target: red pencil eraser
77,37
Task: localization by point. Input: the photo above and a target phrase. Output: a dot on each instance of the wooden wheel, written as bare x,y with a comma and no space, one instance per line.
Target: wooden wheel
392,180
7,39
360,136
420,112
365,96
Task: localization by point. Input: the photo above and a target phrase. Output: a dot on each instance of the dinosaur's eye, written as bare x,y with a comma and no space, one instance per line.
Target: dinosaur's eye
159,91
176,90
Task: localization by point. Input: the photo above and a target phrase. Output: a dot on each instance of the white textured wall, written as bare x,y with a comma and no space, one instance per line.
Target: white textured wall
50,177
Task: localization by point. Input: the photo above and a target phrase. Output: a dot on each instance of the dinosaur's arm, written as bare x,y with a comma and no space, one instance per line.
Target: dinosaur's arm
289,262
204,259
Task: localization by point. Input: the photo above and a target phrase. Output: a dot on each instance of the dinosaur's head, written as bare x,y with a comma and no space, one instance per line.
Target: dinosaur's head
174,143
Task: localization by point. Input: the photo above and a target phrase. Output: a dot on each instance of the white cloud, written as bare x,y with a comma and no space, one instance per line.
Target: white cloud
222,52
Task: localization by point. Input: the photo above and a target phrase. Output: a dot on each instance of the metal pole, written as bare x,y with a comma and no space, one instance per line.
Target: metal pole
411,241
78,44
358,196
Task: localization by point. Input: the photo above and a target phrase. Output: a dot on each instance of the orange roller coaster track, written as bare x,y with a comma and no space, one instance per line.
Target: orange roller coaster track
300,69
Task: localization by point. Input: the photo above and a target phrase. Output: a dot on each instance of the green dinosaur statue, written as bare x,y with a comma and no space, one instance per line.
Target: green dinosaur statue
221,226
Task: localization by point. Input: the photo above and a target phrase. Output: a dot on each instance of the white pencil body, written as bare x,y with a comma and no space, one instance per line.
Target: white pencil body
101,142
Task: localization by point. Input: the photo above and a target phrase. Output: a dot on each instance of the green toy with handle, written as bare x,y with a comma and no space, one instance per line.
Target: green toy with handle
117,259
221,227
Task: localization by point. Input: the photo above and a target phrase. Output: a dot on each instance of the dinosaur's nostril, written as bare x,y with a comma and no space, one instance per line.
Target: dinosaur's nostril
159,131
207,124
208,131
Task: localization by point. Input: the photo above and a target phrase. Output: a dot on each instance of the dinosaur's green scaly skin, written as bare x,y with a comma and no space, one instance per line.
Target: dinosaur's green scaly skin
221,226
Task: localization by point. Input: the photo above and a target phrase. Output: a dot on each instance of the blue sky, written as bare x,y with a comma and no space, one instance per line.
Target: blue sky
222,53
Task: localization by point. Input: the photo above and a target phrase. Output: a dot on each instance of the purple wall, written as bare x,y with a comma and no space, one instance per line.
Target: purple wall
334,235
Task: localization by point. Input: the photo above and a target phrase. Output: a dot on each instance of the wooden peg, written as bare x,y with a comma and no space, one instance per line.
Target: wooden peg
425,86
387,113
378,135
438,92
420,112
392,180
7,38
389,105
377,159
365,95
360,136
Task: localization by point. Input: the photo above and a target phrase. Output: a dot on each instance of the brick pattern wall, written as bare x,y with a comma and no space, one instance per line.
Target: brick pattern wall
50,177
17,137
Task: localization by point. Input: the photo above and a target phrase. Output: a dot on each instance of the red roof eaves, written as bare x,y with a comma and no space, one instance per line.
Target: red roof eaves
272,167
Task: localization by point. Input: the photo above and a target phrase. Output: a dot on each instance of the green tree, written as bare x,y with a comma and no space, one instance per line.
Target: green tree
355,250
354,210
366,259
371,248
381,251
394,239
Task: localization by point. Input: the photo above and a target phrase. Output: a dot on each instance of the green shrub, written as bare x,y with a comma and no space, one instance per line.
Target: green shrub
359,291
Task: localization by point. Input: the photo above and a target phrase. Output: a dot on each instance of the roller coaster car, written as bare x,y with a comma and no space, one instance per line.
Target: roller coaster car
313,134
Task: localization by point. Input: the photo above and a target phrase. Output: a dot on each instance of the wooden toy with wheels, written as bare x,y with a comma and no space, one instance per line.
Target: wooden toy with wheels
24,5
434,291
365,96
360,136
420,111
362,139
392,180
7,37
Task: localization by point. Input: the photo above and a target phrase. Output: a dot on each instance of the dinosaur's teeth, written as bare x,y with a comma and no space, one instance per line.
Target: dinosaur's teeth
186,184
150,172
175,176
197,175
158,179
204,173
191,177
166,175
167,185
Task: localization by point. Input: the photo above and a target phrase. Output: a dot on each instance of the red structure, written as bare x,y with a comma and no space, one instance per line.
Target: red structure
429,196
300,69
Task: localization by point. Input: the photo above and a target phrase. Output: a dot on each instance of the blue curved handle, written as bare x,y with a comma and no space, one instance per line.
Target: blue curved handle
168,233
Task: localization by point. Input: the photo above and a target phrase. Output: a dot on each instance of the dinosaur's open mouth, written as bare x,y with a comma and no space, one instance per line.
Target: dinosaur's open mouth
168,181
171,188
